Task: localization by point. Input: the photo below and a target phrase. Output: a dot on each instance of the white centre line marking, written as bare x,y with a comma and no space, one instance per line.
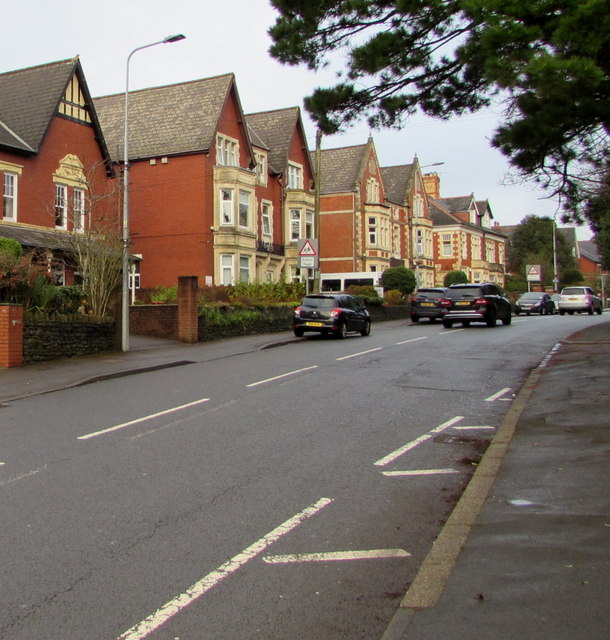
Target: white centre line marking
411,445
337,556
143,419
175,606
448,331
419,472
412,340
361,353
497,395
475,427
283,375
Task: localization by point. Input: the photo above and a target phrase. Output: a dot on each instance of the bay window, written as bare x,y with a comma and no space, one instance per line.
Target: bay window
244,209
244,269
61,192
226,206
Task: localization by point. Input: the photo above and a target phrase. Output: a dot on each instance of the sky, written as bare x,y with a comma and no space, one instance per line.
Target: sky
231,36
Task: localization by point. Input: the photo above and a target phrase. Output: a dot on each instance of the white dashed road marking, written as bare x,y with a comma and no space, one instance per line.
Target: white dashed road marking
337,556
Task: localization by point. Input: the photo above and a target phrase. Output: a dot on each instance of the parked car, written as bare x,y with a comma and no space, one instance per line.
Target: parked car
535,302
579,299
426,303
468,303
331,313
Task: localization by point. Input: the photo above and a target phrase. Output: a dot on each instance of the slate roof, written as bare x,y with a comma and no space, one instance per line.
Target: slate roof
341,168
168,120
276,129
456,204
396,181
588,249
31,237
29,99
440,216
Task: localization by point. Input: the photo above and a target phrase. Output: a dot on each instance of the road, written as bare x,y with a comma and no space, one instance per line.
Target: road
287,493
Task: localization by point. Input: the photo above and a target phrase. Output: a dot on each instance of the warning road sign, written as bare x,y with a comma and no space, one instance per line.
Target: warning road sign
534,272
307,249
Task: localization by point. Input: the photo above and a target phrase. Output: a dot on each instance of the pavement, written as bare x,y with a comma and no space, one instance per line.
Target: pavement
525,553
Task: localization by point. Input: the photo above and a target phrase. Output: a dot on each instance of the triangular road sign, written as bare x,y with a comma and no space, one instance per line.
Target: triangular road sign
307,249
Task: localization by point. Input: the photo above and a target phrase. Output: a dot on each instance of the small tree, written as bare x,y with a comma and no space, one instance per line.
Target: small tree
455,277
399,278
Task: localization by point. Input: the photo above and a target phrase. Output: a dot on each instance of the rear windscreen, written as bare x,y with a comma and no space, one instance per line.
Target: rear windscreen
320,303
431,295
573,291
460,294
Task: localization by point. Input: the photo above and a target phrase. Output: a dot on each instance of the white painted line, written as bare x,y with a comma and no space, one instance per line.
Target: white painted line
448,331
175,606
419,472
361,353
412,340
497,395
143,419
27,474
411,445
283,375
337,556
476,427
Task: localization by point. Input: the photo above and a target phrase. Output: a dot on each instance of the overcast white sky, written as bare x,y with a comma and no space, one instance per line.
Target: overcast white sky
231,36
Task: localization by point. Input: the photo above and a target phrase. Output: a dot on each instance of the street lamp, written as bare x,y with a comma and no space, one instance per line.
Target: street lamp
125,292
434,164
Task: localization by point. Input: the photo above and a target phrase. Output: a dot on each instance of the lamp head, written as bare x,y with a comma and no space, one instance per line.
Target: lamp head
174,38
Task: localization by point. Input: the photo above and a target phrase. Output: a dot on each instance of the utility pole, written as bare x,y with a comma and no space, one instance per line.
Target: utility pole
318,173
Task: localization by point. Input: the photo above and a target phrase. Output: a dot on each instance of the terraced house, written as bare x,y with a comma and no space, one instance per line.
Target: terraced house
213,193
54,164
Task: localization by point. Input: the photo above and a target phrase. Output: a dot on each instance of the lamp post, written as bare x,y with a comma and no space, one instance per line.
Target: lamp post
125,286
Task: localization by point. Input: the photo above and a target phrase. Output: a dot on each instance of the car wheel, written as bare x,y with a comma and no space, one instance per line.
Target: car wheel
432,319
599,311
299,333
506,321
491,318
517,311
447,324
342,331
366,331
590,311
561,312
414,318
541,311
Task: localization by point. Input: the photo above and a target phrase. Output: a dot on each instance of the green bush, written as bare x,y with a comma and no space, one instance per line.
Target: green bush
256,293
399,278
455,277
11,247
225,316
165,295
393,297
572,276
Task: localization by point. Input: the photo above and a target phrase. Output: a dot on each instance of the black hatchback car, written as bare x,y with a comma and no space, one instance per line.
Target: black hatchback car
535,302
426,303
468,303
331,313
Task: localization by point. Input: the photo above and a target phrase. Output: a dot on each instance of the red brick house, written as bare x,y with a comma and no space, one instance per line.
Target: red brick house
54,164
464,239
360,229
207,185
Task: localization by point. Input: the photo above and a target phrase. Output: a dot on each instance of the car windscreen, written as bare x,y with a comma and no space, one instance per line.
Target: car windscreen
319,303
461,293
531,296
430,295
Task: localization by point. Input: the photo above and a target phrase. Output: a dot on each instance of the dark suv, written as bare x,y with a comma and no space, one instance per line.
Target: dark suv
426,303
331,313
468,303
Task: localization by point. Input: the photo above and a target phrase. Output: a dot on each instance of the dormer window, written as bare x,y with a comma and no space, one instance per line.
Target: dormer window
227,151
372,190
261,168
295,176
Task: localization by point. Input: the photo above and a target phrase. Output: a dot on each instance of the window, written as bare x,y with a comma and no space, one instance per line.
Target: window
78,209
60,205
244,269
266,218
372,190
226,206
372,230
226,268
295,224
446,249
226,151
309,227
418,206
295,176
261,168
244,209
419,243
9,201
134,275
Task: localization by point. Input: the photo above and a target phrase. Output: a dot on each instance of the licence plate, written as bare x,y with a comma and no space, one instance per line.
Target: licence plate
462,303
314,324
427,304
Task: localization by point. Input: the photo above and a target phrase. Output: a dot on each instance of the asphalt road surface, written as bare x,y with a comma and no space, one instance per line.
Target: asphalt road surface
289,493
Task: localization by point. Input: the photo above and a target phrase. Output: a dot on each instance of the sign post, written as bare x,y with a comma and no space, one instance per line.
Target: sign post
307,251
534,274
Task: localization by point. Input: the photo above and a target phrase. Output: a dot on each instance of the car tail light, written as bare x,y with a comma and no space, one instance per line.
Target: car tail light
445,302
297,312
480,302
335,312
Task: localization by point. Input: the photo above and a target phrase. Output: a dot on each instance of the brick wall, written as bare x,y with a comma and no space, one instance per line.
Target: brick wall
11,335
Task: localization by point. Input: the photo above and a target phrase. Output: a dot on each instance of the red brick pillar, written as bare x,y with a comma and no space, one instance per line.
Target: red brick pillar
11,335
188,312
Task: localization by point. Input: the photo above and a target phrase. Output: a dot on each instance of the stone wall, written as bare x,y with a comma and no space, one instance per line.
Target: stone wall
52,340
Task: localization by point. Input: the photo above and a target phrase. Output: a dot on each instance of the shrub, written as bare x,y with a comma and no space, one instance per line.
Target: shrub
256,293
11,247
399,278
571,276
165,295
455,277
393,297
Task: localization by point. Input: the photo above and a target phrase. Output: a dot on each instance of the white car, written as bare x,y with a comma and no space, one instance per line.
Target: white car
579,299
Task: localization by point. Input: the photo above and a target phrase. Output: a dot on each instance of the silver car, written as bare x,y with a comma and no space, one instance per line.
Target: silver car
579,299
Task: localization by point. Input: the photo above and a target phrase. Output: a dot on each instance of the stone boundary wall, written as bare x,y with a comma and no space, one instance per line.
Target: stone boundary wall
51,340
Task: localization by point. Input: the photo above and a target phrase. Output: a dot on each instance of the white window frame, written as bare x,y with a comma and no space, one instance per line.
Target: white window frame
61,206
266,219
244,208
9,199
78,209
296,216
227,206
244,268
227,151
261,168
446,245
227,269
372,190
310,229
295,176
372,230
